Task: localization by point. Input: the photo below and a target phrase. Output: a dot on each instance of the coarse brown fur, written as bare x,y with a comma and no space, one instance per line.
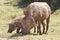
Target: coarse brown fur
15,23
23,23
40,11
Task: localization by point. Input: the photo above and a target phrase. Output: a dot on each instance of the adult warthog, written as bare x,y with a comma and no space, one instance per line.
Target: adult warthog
40,11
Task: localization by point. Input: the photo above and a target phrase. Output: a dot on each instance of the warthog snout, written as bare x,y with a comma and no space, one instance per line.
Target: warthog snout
9,31
11,28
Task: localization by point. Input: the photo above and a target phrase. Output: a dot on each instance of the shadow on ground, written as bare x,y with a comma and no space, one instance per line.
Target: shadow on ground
17,35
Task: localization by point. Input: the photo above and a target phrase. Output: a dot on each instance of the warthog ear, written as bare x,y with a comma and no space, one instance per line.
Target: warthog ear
26,12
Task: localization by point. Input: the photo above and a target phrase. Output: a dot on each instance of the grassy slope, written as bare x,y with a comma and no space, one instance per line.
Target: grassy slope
8,13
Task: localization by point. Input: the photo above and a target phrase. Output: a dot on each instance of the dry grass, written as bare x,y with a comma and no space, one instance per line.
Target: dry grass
8,12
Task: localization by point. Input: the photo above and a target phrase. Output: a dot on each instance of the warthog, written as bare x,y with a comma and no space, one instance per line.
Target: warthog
15,24
40,11
23,23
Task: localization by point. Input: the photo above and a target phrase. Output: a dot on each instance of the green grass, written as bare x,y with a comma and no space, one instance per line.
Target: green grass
7,15
8,12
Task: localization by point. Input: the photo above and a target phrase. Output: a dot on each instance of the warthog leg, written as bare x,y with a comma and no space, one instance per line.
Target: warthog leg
39,28
43,24
47,21
34,29
18,29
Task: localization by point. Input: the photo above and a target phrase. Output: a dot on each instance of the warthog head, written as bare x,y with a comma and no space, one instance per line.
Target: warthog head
12,27
15,23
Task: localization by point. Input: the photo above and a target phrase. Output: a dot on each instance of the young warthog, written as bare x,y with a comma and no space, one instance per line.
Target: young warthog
23,23
40,11
15,24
